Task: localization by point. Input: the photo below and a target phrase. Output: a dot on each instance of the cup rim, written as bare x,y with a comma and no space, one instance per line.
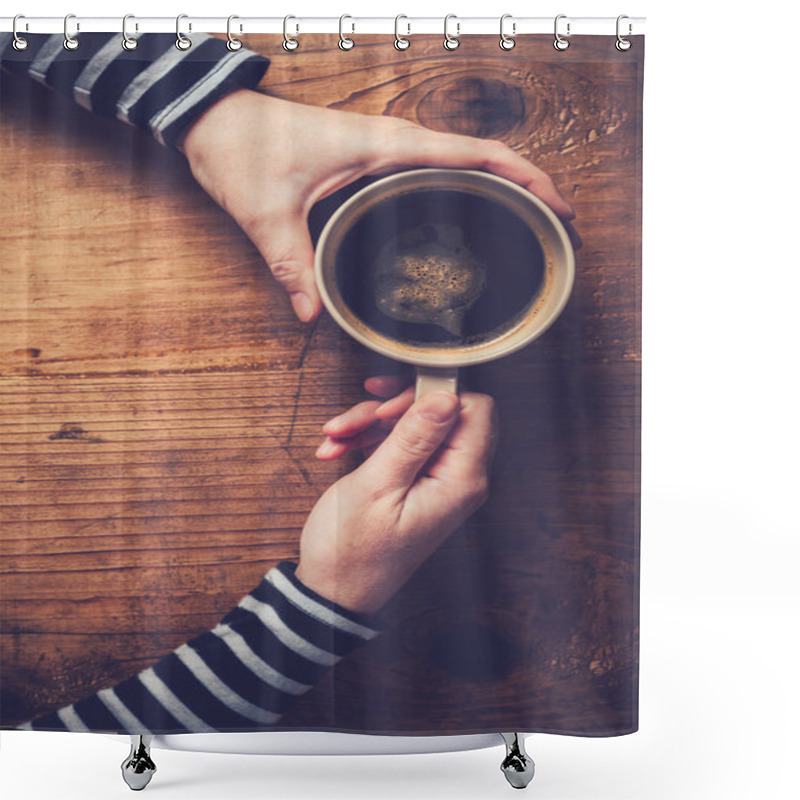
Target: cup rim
535,321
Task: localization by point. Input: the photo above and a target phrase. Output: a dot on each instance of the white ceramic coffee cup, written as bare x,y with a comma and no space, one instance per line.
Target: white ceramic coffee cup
437,366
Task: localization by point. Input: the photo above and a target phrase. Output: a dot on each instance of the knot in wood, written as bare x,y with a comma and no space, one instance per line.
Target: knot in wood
473,106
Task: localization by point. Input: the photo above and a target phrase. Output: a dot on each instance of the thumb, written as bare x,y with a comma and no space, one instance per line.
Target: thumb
286,246
413,440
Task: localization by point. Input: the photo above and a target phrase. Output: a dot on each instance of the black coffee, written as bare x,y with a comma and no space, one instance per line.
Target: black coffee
439,266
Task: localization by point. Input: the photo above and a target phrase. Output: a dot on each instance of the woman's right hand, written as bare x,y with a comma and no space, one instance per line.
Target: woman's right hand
364,426
427,471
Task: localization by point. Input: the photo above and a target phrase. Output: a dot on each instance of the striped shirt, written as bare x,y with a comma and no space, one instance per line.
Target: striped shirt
155,87
282,637
241,676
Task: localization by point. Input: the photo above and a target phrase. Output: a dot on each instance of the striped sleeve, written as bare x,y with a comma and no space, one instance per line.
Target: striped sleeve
241,676
155,87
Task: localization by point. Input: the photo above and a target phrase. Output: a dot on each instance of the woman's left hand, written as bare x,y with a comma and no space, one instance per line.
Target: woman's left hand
267,161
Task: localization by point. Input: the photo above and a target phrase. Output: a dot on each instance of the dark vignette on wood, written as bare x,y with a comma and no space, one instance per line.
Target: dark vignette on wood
158,425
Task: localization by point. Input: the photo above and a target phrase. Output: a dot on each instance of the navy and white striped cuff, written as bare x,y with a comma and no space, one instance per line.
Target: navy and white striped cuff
155,87
243,675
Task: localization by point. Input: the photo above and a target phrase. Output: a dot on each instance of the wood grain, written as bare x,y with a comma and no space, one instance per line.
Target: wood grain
161,407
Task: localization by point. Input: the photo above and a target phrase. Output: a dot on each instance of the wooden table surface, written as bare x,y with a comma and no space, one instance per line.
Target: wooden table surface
161,407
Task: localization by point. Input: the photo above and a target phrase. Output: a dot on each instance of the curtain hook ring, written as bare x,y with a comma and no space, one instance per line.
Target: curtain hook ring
400,42
19,43
70,42
128,42
623,44
451,42
233,44
507,42
345,42
182,42
290,44
560,43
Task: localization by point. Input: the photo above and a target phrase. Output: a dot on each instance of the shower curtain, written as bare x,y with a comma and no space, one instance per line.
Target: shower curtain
196,459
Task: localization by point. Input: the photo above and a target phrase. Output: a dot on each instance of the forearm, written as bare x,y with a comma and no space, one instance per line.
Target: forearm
155,87
242,675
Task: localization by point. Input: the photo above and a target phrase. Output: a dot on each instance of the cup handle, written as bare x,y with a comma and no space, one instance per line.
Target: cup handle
430,379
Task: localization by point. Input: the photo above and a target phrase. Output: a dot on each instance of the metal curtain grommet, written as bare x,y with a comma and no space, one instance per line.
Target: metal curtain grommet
560,43
451,42
623,44
233,44
289,43
181,42
70,42
507,42
345,42
400,42
19,42
128,42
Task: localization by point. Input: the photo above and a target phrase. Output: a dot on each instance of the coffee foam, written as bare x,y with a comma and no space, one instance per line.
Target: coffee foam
428,274
533,320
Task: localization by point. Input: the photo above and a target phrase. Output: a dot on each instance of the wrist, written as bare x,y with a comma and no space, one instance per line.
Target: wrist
355,595
193,138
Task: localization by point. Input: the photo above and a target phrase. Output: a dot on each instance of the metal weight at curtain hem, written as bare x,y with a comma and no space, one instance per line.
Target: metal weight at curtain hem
138,768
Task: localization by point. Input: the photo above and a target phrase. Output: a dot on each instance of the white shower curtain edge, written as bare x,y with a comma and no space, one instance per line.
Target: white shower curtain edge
319,743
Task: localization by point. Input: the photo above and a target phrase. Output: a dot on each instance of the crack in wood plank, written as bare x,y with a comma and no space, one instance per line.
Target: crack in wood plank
300,378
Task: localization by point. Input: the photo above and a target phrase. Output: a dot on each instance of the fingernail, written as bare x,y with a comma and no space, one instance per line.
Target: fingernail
438,406
332,424
302,306
325,449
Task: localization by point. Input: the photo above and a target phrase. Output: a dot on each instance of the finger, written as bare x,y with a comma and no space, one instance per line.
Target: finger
413,440
286,246
396,406
470,445
352,421
574,236
422,147
336,448
331,449
386,385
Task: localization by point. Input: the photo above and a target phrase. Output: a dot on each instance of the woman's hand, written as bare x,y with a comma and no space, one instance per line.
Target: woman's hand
364,426
427,472
267,161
